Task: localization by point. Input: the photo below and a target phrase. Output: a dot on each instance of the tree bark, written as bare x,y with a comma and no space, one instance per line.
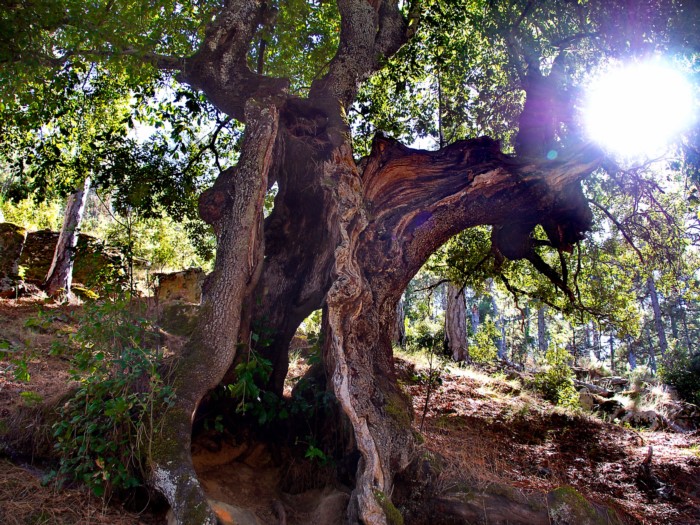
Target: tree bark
456,323
59,278
400,325
356,238
404,206
234,207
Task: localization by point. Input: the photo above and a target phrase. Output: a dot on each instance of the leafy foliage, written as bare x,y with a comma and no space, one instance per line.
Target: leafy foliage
483,348
556,382
681,369
106,426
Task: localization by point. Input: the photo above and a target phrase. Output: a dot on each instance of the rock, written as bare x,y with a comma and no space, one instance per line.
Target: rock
178,318
230,515
38,254
226,514
610,406
595,389
568,507
593,402
586,400
95,262
185,286
331,509
644,418
11,243
616,384
92,260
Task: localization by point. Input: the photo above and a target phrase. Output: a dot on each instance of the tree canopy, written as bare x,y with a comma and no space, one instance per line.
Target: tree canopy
314,97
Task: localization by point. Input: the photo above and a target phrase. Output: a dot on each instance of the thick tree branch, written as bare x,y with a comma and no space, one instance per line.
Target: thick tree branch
371,32
220,67
418,199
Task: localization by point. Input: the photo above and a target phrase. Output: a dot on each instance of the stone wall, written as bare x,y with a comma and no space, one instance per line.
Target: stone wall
92,257
185,286
11,243
30,254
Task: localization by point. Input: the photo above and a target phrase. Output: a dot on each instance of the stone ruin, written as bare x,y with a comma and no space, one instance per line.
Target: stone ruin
178,296
25,259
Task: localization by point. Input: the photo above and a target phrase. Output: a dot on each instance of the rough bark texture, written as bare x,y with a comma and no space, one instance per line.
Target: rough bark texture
355,239
456,323
404,206
60,275
234,207
301,233
400,325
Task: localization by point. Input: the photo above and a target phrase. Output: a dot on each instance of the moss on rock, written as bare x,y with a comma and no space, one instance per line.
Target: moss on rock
393,515
568,507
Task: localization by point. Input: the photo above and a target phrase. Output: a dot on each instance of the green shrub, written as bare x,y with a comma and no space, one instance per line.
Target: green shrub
106,427
681,370
484,349
556,381
425,335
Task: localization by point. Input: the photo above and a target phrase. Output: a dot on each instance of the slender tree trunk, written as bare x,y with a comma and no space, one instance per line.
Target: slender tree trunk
474,318
612,354
528,345
60,275
658,321
652,353
400,325
541,331
456,323
597,342
673,317
500,324
684,318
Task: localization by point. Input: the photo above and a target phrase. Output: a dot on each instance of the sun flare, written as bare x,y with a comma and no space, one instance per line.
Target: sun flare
638,110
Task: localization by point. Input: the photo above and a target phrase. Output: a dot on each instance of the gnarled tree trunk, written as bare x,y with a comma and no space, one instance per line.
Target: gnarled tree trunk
352,237
234,207
417,200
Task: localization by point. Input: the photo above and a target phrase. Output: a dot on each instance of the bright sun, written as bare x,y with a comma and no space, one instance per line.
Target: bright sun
637,110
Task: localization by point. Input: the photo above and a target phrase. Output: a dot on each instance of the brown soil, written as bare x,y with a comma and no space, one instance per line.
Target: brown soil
491,431
488,432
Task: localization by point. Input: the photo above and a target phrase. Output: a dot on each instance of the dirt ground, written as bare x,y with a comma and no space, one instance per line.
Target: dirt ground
492,431
488,431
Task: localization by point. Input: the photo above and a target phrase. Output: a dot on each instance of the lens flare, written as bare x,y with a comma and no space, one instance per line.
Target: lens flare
638,110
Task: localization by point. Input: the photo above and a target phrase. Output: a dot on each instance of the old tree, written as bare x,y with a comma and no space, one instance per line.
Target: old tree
346,234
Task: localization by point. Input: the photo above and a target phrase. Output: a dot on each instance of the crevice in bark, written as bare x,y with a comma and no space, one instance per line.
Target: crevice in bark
404,206
301,232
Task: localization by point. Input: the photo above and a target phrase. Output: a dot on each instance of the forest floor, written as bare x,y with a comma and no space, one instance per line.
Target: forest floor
488,431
